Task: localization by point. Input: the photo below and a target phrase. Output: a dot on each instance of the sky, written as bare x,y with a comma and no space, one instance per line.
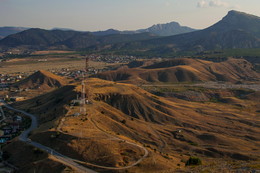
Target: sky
96,15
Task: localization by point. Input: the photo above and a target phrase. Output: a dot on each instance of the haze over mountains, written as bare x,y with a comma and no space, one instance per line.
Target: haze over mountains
5,31
168,29
133,114
235,30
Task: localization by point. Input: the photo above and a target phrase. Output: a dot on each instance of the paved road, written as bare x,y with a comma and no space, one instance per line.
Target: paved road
24,137
64,159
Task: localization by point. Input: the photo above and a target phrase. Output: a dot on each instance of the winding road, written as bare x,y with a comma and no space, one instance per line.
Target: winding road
64,159
113,137
61,158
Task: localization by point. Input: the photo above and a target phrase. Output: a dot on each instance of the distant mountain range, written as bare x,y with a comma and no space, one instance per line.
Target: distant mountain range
172,28
5,31
235,30
57,39
168,29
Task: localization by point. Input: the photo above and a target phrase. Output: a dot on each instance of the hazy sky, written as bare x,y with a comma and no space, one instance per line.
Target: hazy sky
91,15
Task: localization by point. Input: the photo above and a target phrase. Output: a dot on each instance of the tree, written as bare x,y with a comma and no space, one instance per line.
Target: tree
193,161
123,121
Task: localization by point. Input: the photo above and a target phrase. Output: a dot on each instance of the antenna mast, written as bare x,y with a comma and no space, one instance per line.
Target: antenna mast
84,92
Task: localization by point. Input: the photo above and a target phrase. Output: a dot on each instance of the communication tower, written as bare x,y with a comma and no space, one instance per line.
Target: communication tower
84,92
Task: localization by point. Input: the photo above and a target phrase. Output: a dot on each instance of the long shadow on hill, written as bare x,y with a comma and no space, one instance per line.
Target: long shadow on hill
49,106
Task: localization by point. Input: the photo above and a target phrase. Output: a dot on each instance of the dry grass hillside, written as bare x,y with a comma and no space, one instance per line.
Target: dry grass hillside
49,106
184,70
171,129
43,80
30,159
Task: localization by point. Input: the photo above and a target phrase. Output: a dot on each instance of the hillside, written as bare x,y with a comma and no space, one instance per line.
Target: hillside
36,38
170,129
49,39
185,70
168,29
236,30
5,31
41,80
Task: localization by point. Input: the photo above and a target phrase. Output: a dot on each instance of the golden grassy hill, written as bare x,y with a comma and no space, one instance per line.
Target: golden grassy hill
42,80
184,70
171,129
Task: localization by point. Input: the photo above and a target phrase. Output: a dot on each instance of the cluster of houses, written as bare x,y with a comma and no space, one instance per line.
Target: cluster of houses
11,78
10,128
113,59
7,79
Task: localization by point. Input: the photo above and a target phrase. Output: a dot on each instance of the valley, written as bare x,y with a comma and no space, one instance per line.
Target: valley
151,126
167,98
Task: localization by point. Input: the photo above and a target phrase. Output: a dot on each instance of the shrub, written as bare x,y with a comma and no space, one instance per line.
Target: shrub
77,104
193,161
37,151
5,155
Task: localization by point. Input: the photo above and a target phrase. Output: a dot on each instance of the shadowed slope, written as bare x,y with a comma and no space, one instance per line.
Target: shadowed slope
41,80
185,70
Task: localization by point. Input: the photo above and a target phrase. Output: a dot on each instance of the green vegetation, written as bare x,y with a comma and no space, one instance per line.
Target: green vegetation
37,151
123,121
193,161
255,52
193,143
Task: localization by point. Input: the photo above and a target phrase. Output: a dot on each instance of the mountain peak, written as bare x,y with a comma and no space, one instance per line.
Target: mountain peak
239,14
168,29
236,20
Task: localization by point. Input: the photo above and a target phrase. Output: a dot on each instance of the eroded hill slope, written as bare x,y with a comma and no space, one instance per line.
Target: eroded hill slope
168,128
185,70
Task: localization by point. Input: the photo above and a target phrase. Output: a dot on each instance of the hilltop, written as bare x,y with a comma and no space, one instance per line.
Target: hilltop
170,129
184,70
41,80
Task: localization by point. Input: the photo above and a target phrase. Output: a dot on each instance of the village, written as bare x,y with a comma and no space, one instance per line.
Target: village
11,125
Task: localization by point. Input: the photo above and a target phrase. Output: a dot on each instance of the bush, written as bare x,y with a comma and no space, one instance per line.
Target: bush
37,151
193,161
5,155
77,104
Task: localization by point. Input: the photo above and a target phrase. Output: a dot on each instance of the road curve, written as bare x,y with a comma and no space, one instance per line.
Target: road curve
113,137
61,158
117,138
